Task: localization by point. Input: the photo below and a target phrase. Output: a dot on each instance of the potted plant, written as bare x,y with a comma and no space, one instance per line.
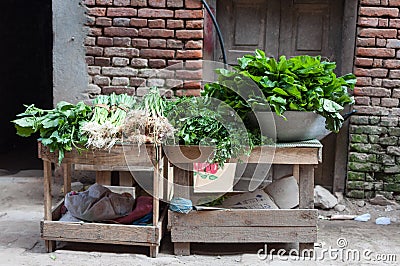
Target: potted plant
304,84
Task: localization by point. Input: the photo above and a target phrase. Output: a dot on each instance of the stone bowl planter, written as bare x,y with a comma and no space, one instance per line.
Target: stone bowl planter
298,126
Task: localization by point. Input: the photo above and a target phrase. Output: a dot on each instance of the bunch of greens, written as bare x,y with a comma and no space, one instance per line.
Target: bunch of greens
301,83
59,128
198,122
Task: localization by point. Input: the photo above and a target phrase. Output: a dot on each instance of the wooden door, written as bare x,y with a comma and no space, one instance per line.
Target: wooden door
290,28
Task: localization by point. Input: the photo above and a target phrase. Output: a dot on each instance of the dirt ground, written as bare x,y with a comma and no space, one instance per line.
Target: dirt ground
339,242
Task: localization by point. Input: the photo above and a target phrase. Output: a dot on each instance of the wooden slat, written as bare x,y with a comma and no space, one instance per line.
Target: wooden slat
244,234
188,154
56,211
123,168
251,218
181,249
67,173
103,178
100,233
119,155
306,187
47,189
125,179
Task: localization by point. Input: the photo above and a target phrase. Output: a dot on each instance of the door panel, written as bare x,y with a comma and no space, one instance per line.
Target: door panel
248,25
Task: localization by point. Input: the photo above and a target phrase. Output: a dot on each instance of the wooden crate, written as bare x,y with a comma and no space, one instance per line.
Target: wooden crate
122,157
250,226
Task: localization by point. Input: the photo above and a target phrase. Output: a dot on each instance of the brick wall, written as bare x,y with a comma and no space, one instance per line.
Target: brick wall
374,158
129,41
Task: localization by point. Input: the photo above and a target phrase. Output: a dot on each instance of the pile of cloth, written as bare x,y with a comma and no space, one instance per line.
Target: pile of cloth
100,204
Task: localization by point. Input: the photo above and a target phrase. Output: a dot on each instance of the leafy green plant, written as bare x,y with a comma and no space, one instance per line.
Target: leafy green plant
59,128
301,83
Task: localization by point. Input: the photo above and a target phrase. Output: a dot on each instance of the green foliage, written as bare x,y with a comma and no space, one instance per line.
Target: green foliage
153,102
199,122
301,83
59,128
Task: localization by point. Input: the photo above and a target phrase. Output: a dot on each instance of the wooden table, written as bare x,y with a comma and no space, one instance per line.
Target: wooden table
123,158
255,225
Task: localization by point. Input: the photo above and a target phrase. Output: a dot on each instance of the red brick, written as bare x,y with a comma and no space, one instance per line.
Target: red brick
120,32
90,21
195,92
394,23
102,21
104,2
394,74
379,33
391,63
364,81
191,14
140,43
104,41
156,33
374,72
377,63
396,93
375,52
96,11
89,2
95,32
365,41
380,42
90,41
371,2
139,63
377,82
138,2
372,110
368,22
363,100
121,51
89,60
157,53
363,61
138,22
193,64
393,43
189,34
189,74
375,101
379,12
193,4
174,62
155,13
192,85
122,2
121,12
121,22
389,102
383,22
102,61
157,23
157,63
194,44
372,92
157,3
394,3
189,54
194,24
157,43
118,90
175,44
96,51
175,3
175,23
137,82
122,41
391,83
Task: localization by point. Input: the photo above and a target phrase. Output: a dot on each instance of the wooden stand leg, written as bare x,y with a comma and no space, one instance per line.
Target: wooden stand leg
306,200
50,245
306,249
154,251
182,249
67,171
125,179
103,178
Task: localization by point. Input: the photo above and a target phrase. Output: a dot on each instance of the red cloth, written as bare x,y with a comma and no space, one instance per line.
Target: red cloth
144,205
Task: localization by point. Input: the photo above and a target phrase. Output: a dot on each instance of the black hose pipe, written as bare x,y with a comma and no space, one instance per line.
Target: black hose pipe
214,20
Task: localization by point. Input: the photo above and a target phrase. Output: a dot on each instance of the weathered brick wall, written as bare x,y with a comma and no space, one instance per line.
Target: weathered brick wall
129,40
374,158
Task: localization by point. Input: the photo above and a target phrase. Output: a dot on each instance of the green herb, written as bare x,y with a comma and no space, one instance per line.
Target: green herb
301,83
153,103
59,128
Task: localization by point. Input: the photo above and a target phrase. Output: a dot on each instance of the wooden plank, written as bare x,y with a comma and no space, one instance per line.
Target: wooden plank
118,155
244,234
99,233
67,172
123,168
56,211
154,251
183,180
296,172
181,249
156,194
188,154
306,187
125,179
47,173
103,178
250,218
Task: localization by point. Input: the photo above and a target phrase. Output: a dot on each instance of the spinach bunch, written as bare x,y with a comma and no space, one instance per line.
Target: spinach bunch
59,128
301,83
